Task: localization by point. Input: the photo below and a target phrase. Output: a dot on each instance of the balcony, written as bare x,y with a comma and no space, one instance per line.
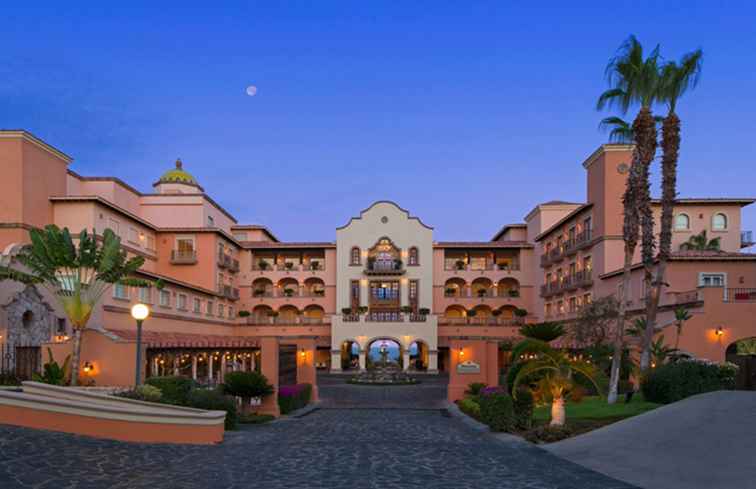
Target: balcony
740,295
183,257
479,321
231,293
224,260
384,268
579,279
571,246
279,320
234,267
385,317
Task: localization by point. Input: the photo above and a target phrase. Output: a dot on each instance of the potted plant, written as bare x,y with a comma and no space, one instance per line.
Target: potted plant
514,293
288,292
263,265
314,265
450,292
482,292
406,309
423,311
472,313
496,312
244,314
347,311
258,292
288,265
460,264
319,292
504,266
362,310
521,314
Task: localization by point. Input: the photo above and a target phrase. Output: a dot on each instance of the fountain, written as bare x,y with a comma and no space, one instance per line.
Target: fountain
384,372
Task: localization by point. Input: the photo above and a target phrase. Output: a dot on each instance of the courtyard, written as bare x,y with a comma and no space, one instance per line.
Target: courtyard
383,438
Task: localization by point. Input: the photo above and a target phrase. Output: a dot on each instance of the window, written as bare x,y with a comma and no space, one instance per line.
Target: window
571,234
682,222
182,302
586,299
150,242
61,326
114,226
145,295
354,256
210,308
120,291
587,265
185,244
587,224
573,304
547,309
354,294
165,298
712,280
413,286
719,222
560,307
221,310
210,221
133,236
197,305
413,256
230,312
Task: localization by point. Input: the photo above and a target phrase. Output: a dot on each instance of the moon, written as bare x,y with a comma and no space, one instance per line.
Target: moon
251,90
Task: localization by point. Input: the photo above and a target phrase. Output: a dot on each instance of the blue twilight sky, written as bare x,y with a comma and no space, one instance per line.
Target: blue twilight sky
466,113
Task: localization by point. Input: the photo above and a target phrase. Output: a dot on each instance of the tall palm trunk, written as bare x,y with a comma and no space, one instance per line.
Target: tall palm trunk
644,129
630,236
557,412
75,356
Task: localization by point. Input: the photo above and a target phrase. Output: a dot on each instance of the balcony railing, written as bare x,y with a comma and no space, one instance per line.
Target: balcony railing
473,267
266,320
224,261
740,295
384,268
231,293
385,317
479,321
183,257
581,240
582,278
487,293
234,268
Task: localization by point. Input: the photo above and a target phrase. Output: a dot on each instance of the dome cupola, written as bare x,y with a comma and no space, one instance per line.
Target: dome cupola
176,179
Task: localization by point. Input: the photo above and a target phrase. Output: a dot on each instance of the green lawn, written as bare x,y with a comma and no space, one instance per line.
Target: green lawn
596,408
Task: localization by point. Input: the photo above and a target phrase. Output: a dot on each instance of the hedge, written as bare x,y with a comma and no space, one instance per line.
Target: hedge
523,406
675,381
496,409
293,397
214,400
469,407
174,389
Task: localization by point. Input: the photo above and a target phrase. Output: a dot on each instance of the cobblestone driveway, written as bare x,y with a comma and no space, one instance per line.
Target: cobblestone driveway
330,448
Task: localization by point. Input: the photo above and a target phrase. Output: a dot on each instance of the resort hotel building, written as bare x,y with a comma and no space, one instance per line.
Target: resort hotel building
237,297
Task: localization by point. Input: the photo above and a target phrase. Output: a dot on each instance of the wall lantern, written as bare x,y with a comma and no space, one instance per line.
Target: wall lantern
87,367
302,353
461,353
719,331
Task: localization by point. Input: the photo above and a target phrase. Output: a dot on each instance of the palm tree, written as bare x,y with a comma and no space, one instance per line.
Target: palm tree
76,274
675,80
634,79
700,242
681,315
559,380
620,131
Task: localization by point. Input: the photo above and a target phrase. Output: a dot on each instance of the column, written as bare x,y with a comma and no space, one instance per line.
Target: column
194,366
405,359
210,367
244,363
432,361
404,292
306,373
176,360
155,366
335,360
269,368
223,361
252,363
364,292
363,360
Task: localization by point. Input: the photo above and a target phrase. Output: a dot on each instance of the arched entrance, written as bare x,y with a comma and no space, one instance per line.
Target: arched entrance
743,354
382,350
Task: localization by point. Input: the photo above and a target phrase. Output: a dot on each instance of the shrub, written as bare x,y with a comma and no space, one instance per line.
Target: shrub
244,314
469,407
246,385
53,373
147,393
293,397
214,400
548,434
523,406
496,410
672,382
9,378
175,389
474,388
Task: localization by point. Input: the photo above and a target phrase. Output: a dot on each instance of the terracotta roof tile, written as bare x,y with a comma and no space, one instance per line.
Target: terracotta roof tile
159,339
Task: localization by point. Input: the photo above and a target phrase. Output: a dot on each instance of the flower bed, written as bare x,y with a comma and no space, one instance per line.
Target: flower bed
293,397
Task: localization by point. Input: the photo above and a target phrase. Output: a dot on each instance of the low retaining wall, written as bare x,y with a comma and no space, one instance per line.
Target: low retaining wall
93,414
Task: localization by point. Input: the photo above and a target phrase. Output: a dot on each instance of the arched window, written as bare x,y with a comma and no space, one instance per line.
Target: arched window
354,257
413,256
719,222
682,221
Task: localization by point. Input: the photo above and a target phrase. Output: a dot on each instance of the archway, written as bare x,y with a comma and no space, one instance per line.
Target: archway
508,287
262,287
384,349
288,287
313,314
350,355
455,311
261,314
481,287
288,314
743,354
418,354
455,287
314,287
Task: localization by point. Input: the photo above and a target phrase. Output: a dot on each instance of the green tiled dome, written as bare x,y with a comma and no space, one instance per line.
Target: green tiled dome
178,175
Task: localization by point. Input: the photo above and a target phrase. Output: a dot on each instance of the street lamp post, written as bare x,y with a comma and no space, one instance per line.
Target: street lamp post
140,313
